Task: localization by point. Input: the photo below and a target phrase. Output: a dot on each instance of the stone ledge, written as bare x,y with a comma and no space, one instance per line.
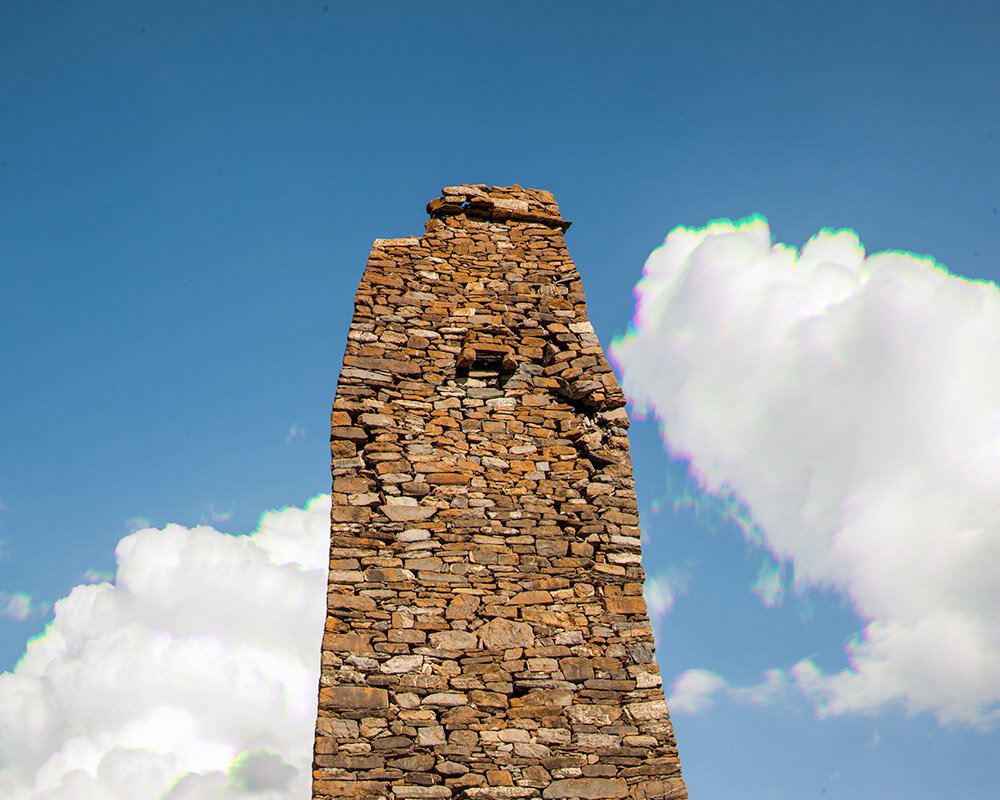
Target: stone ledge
405,241
501,203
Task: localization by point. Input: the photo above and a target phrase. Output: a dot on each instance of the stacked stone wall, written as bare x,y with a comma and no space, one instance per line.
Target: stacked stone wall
486,633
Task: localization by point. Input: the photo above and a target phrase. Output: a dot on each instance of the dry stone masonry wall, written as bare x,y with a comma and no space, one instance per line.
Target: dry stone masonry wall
486,634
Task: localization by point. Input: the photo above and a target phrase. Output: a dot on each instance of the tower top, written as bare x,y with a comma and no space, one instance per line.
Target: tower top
498,203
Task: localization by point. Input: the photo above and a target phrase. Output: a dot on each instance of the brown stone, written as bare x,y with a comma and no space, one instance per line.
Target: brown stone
498,792
600,715
353,697
488,699
346,643
668,789
349,433
447,478
353,789
640,712
505,633
421,792
357,762
531,598
626,605
341,513
351,602
576,668
408,513
418,763
454,640
499,777
586,789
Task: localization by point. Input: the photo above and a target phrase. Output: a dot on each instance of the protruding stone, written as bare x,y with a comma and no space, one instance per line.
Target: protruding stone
408,513
353,697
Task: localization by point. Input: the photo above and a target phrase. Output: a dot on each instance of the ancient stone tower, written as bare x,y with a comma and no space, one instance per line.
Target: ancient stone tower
486,634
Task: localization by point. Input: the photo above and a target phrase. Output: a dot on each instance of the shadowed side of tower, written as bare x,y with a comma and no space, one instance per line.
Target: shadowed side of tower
486,634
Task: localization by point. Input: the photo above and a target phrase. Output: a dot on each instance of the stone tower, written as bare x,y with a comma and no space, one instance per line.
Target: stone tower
486,634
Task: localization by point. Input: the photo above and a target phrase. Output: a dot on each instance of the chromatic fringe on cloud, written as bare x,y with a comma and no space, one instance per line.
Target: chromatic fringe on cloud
852,403
97,576
217,515
19,606
192,675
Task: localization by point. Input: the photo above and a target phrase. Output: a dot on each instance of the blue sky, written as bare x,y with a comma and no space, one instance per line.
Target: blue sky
189,195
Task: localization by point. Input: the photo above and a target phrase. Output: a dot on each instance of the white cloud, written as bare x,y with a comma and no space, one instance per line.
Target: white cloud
661,589
693,691
853,404
193,675
774,687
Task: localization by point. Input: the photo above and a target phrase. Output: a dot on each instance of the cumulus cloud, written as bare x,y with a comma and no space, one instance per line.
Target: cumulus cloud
193,675
694,690
660,590
851,402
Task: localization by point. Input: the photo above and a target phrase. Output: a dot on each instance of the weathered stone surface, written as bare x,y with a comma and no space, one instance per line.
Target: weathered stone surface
407,513
353,697
654,709
421,792
586,789
419,763
324,787
503,633
346,643
454,640
486,635
593,714
576,668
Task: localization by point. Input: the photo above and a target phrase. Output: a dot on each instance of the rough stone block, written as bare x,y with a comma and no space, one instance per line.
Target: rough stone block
504,633
586,789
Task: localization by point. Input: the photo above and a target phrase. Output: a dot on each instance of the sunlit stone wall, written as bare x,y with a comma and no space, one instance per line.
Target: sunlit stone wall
486,634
